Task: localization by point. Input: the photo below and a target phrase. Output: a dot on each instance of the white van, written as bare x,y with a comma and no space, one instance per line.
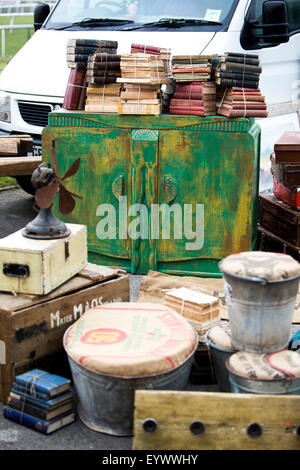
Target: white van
34,81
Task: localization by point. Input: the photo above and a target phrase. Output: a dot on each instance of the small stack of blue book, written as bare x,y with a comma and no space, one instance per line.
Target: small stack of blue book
40,401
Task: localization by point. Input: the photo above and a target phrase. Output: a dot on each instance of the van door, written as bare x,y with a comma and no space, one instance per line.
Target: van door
281,64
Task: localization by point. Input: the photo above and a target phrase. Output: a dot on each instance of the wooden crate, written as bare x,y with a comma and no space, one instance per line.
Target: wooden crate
32,327
170,420
47,263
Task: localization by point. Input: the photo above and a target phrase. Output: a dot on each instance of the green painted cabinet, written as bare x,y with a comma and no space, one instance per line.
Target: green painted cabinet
168,193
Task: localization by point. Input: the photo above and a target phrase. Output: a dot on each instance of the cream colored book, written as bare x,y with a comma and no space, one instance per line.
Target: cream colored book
142,81
140,109
101,108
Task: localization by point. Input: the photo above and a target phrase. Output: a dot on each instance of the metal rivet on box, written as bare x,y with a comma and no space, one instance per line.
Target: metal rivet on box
197,428
150,425
254,430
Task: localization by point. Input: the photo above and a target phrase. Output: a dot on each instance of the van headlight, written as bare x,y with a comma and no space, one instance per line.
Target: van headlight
5,112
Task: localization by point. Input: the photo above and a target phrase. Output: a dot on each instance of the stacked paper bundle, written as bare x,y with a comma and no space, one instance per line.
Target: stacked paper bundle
78,51
146,73
164,54
191,68
239,95
201,310
103,98
103,68
238,70
195,98
241,102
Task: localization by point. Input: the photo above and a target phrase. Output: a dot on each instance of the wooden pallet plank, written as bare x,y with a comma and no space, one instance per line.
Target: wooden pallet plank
226,417
15,166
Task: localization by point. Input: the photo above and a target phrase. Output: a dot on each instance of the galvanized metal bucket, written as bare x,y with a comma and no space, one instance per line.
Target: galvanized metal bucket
260,312
106,403
287,386
219,356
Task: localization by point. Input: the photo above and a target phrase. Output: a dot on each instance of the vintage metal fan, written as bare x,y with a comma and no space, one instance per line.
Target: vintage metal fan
47,181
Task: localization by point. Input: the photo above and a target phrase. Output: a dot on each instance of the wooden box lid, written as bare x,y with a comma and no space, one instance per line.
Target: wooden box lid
289,140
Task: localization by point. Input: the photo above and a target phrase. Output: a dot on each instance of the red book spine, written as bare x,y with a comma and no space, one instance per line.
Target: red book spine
247,105
187,111
187,96
190,87
142,51
178,102
191,71
74,89
240,89
144,47
241,112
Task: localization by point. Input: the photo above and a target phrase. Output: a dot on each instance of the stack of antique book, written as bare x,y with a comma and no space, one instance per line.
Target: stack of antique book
241,102
103,68
142,74
279,215
103,98
103,93
201,310
194,94
78,51
191,68
195,98
237,77
163,53
41,401
240,70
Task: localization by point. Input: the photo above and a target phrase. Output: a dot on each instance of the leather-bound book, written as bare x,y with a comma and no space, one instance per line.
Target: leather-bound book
74,89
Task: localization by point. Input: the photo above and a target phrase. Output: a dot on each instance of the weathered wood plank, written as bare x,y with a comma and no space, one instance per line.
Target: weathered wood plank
15,166
226,417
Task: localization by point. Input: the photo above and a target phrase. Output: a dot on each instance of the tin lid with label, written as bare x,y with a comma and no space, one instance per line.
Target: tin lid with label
131,339
282,365
221,336
261,265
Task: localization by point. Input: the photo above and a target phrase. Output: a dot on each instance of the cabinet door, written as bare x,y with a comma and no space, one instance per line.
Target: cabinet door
212,179
103,177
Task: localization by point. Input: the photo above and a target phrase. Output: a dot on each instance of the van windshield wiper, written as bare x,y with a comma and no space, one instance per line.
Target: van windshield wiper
98,21
174,23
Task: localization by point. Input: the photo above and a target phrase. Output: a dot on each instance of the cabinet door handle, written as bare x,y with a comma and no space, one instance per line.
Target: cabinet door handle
118,187
170,189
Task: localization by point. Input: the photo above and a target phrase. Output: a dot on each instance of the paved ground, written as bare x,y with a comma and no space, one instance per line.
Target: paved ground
15,212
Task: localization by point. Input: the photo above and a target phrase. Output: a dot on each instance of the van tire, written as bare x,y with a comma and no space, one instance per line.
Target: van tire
24,182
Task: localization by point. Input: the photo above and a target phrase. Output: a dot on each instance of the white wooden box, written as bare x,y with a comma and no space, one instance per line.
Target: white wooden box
37,267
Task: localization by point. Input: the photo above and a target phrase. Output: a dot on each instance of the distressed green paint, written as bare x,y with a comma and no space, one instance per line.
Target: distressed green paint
144,162
167,159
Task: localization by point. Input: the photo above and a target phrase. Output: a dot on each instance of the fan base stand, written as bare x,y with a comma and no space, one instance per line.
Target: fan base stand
46,227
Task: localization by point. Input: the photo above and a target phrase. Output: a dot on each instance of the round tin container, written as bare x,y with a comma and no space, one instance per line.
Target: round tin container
260,290
275,374
148,337
220,346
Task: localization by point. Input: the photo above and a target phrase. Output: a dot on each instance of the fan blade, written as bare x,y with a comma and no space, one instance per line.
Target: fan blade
72,170
66,201
44,196
53,158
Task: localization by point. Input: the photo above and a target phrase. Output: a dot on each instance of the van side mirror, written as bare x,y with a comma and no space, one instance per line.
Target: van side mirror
273,29
40,14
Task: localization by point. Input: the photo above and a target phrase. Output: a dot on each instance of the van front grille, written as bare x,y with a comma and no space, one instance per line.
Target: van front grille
34,113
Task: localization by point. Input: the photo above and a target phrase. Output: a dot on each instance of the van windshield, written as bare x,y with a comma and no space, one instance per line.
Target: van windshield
70,13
